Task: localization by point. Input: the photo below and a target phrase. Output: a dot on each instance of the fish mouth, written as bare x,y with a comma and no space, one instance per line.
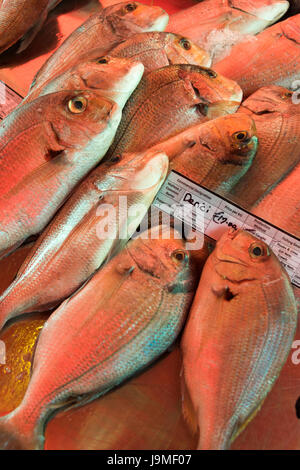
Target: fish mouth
231,260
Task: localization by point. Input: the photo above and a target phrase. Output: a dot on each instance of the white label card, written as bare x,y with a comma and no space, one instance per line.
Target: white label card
220,214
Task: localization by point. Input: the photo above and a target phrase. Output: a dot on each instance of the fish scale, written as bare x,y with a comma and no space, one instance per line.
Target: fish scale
142,125
158,49
43,174
274,58
21,20
284,152
281,206
108,340
99,33
234,346
50,274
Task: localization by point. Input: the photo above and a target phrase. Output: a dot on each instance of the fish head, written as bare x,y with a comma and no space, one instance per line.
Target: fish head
241,257
181,50
115,77
142,173
216,95
160,253
81,115
136,17
234,137
271,99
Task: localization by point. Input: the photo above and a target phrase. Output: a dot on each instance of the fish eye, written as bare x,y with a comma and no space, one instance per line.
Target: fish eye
203,109
209,72
116,158
102,60
241,136
179,256
287,95
77,105
258,250
130,7
185,43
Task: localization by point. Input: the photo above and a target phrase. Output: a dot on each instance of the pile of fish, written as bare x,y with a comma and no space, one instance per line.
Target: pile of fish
117,107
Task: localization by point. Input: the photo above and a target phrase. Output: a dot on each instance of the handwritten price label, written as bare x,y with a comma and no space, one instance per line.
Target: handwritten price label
212,215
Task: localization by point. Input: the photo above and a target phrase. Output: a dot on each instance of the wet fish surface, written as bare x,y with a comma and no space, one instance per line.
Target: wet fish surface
124,318
99,34
159,49
274,58
237,338
281,206
277,120
110,76
96,222
217,25
153,115
22,20
47,147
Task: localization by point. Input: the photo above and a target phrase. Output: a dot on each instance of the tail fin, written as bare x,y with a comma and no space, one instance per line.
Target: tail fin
11,438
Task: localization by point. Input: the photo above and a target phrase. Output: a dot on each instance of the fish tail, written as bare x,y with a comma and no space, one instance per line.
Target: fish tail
12,438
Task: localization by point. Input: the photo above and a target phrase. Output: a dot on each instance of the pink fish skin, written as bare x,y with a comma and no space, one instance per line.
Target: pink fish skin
271,58
22,19
277,120
46,149
101,32
50,272
124,318
237,338
217,25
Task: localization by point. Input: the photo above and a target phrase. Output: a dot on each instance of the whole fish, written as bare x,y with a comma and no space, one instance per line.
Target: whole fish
277,120
237,338
217,25
96,222
99,34
158,49
272,58
281,206
168,101
112,77
22,20
124,318
46,148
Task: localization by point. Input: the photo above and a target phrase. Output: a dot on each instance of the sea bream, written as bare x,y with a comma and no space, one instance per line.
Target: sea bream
168,101
277,120
237,338
21,20
125,317
272,58
94,224
99,34
46,148
112,77
159,49
217,25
